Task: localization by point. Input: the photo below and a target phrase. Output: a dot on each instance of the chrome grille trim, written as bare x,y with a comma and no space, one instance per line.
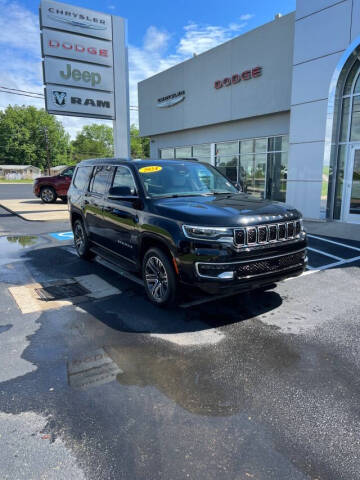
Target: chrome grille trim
295,226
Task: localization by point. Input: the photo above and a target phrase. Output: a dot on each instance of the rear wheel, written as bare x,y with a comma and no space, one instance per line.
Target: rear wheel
48,195
81,241
159,277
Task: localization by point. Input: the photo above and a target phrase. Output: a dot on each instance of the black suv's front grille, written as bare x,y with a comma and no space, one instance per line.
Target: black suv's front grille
260,234
269,265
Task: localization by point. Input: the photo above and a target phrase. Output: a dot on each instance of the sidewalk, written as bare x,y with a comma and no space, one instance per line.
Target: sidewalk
347,231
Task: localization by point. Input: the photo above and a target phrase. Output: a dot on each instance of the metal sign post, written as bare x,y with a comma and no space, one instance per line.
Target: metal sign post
85,66
121,82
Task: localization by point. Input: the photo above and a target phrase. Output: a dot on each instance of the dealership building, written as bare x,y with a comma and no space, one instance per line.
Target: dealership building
277,109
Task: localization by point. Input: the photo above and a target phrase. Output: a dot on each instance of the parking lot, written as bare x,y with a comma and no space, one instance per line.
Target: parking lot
100,384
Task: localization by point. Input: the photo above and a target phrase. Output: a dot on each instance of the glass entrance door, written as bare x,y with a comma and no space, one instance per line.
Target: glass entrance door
351,211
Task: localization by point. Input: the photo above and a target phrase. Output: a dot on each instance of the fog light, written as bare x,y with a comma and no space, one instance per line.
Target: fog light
226,275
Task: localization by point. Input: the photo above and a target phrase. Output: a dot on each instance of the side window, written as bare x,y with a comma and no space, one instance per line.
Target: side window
124,178
99,179
68,172
82,176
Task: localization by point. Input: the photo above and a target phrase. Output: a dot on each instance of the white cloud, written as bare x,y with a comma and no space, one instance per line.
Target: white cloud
246,16
21,55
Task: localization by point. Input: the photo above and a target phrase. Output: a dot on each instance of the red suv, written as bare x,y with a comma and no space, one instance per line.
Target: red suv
50,188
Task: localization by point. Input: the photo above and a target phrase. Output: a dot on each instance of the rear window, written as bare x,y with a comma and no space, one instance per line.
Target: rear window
82,176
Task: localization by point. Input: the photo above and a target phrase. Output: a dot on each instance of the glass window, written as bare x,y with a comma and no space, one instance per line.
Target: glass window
68,172
227,148
277,172
99,180
247,146
185,179
261,145
183,152
339,180
228,166
124,178
350,77
345,120
201,151
167,153
275,144
355,120
81,180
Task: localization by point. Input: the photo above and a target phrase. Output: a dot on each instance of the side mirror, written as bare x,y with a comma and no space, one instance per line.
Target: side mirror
121,193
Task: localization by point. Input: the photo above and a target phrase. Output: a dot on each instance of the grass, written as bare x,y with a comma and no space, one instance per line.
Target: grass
25,180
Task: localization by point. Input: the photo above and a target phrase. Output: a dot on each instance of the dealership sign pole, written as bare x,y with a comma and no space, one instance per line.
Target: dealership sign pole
85,66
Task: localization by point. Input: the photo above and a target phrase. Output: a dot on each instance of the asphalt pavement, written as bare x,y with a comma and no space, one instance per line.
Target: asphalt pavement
16,190
106,386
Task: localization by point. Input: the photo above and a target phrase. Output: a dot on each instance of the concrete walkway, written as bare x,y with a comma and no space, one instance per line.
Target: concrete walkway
347,231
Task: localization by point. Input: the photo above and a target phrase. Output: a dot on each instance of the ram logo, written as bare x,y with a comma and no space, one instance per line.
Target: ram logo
59,98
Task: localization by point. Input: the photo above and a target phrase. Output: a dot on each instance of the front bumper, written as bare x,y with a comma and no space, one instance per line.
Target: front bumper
223,270
36,190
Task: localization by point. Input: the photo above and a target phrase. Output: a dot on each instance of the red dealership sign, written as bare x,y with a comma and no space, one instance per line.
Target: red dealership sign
238,77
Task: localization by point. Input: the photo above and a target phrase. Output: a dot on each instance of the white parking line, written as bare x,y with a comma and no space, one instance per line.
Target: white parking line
324,253
335,243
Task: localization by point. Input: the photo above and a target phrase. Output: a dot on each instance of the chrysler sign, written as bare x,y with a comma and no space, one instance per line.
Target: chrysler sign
171,100
68,72
74,19
61,100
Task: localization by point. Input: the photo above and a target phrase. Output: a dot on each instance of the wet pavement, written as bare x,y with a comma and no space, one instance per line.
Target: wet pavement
254,386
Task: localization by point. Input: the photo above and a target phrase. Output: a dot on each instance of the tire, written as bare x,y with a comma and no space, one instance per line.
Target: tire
159,278
81,241
48,195
64,199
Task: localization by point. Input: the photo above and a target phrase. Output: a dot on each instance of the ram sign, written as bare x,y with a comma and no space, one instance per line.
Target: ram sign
79,101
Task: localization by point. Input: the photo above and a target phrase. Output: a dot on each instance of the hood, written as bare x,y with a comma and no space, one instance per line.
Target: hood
49,177
224,210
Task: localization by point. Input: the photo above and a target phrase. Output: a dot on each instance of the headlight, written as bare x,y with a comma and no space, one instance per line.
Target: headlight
218,234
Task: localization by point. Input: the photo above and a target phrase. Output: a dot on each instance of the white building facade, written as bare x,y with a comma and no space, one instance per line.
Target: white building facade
276,109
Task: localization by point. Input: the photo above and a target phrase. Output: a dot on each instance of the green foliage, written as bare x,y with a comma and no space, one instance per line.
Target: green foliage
140,147
94,141
23,133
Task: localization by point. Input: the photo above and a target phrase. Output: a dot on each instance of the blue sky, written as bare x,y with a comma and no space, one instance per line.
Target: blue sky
161,34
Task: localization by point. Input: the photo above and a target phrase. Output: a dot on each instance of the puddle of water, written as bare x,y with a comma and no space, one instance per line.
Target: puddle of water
10,245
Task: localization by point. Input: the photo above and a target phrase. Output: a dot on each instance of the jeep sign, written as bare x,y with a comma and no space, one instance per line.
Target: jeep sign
76,74
78,101
70,18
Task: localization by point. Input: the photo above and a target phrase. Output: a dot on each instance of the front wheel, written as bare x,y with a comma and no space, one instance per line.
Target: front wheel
159,277
48,195
81,241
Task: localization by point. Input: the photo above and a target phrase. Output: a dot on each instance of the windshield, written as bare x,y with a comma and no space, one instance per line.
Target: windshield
183,179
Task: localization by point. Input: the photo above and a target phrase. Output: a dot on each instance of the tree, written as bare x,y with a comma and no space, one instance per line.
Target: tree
140,146
94,141
25,134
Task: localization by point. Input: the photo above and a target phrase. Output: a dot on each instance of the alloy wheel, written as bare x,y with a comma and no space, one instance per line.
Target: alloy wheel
79,238
156,278
47,195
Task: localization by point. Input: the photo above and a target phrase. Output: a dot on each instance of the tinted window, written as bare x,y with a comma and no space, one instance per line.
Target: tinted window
82,176
68,172
123,178
98,182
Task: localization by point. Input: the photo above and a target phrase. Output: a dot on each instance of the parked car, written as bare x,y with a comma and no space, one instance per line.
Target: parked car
50,188
180,222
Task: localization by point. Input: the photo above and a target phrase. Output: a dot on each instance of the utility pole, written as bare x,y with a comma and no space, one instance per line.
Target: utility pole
47,149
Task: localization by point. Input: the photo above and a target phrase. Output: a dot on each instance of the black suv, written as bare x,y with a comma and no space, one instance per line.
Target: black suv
182,222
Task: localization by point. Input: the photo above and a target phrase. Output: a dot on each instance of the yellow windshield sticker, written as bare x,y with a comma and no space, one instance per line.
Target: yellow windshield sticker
150,169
